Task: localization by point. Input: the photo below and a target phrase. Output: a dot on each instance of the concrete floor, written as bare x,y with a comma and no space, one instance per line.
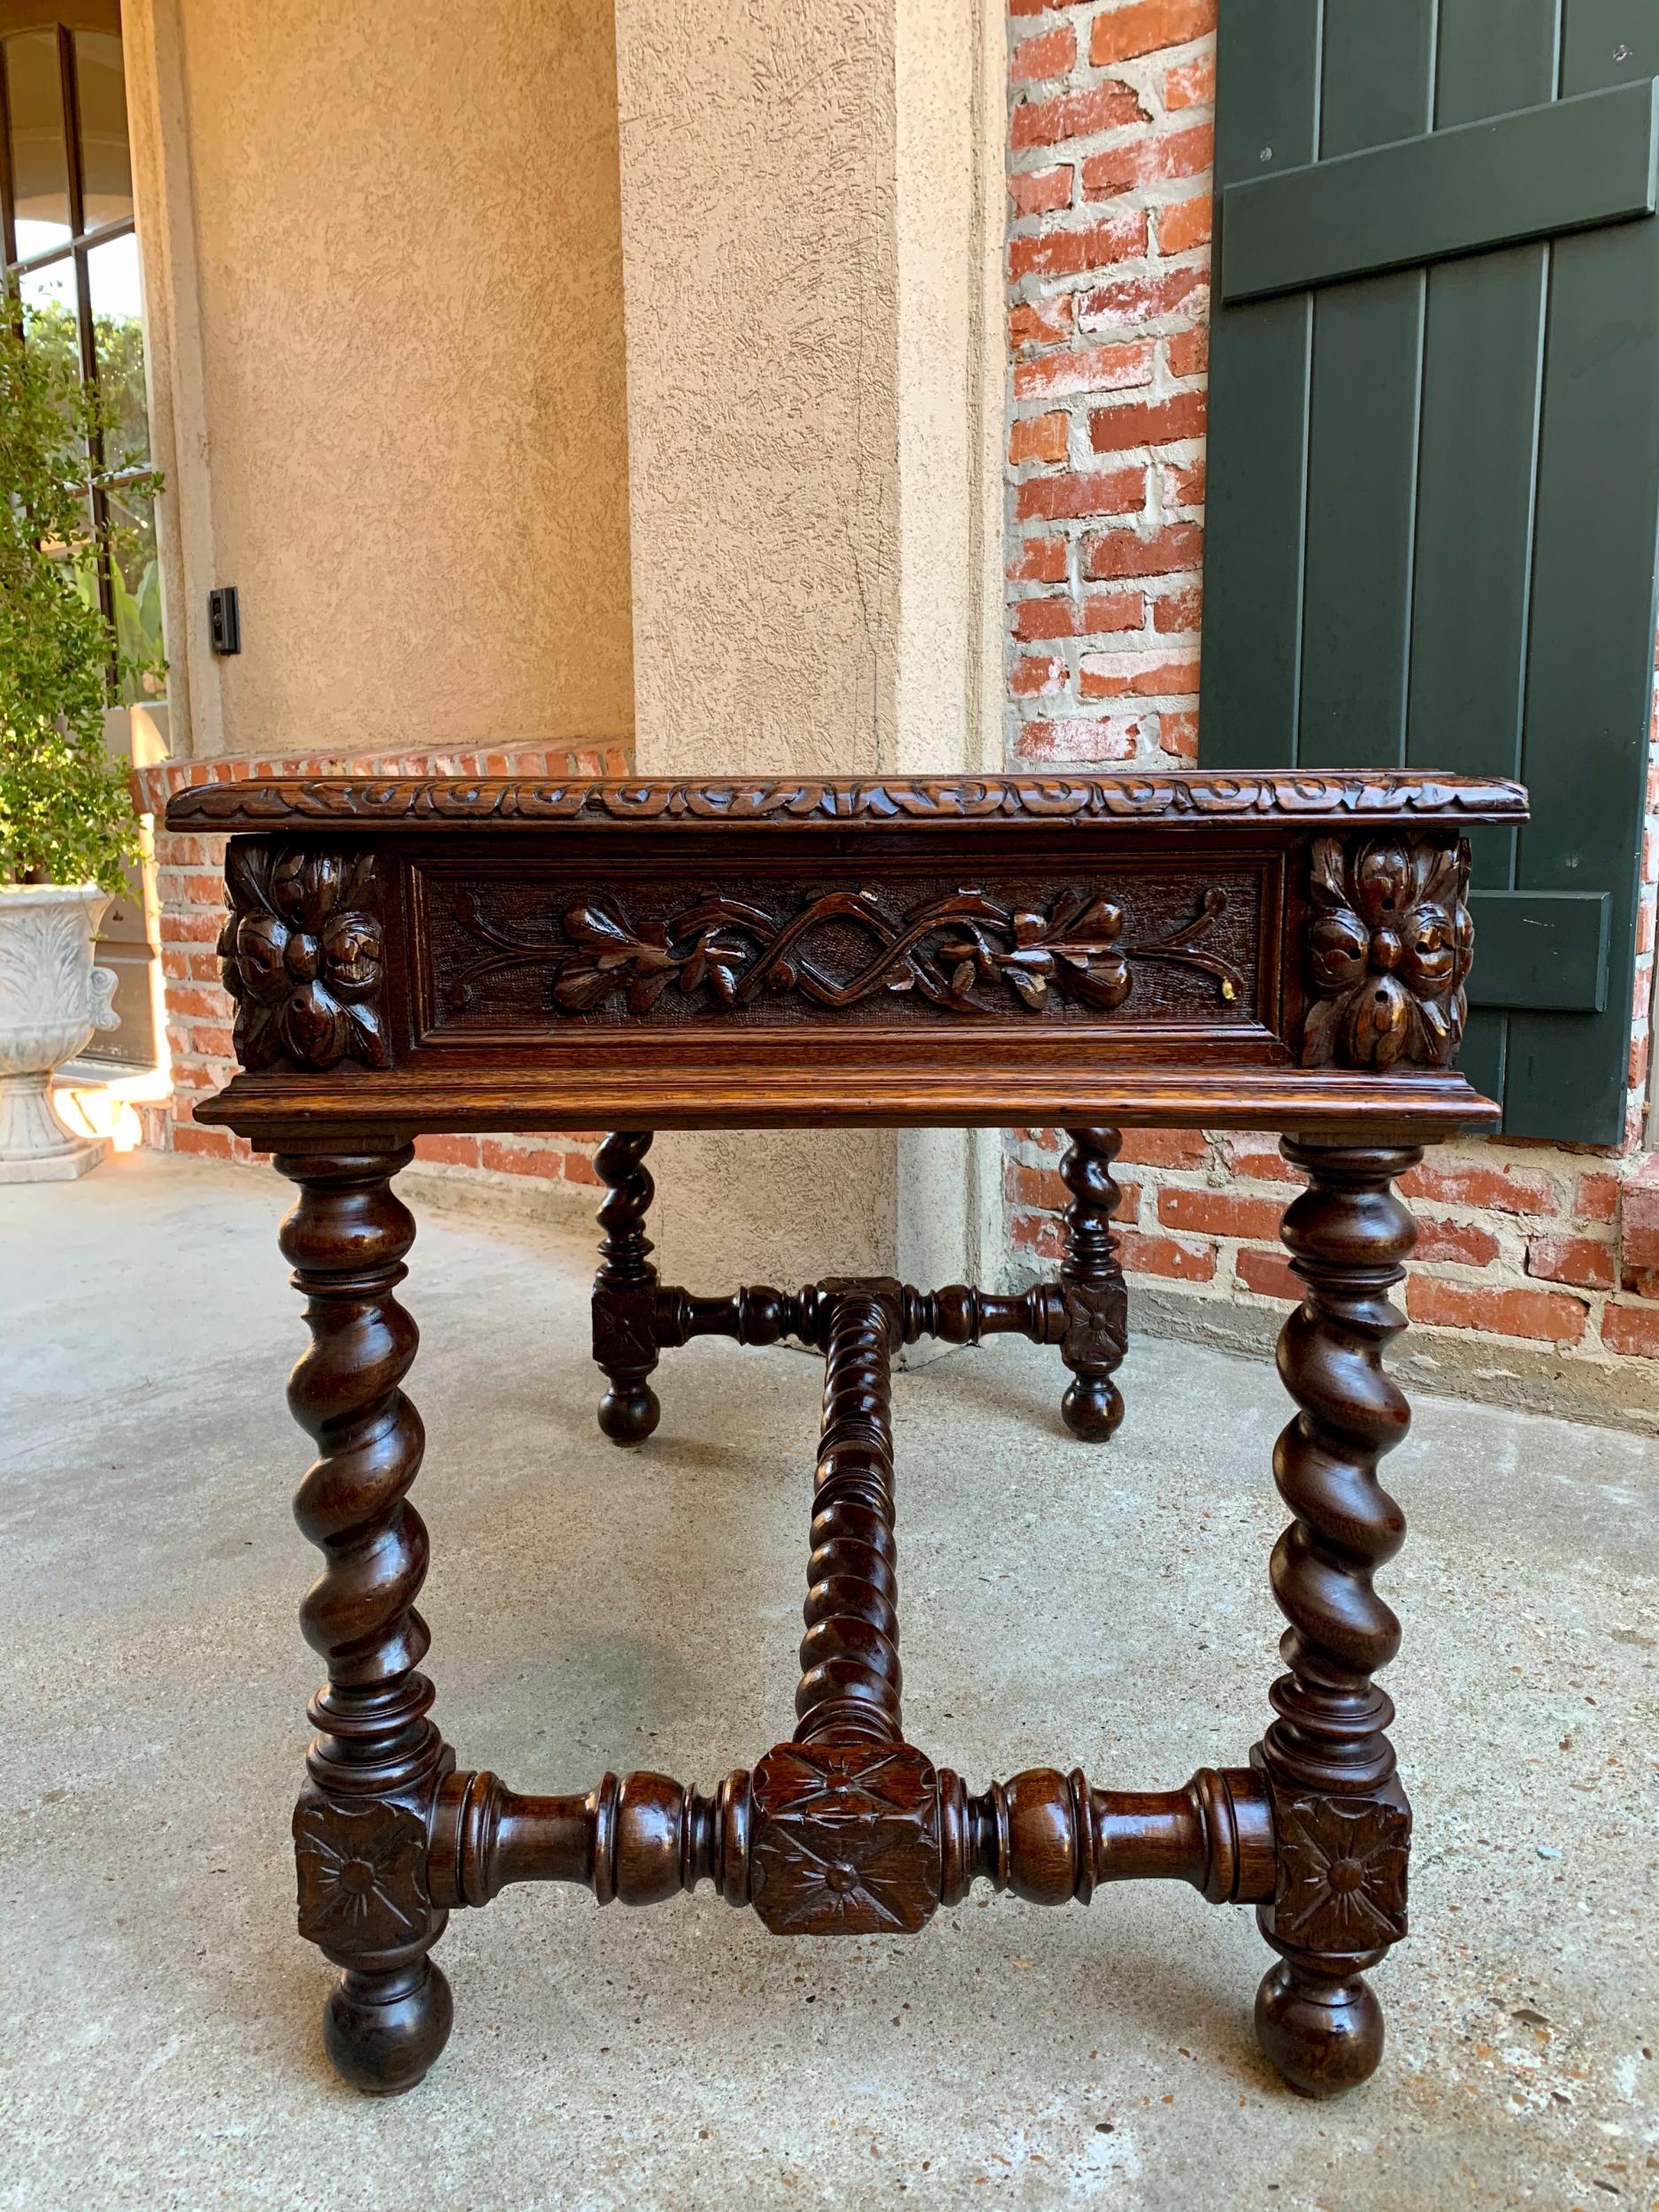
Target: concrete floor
1062,1604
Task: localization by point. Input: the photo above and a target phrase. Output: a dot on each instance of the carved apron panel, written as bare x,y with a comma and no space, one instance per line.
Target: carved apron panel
521,953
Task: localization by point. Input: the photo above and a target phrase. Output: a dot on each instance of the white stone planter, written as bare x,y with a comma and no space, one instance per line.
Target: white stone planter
52,1000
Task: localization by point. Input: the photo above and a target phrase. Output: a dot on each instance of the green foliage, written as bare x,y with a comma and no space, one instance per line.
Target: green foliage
64,812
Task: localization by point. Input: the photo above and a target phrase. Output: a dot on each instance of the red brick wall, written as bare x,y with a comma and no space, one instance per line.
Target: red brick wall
1108,290
1109,160
190,892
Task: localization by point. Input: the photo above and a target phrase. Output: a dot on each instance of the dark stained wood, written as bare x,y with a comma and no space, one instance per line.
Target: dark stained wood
1091,1287
997,1087
351,806
757,1314
1082,953
846,1838
936,948
1389,950
639,1840
851,1678
1288,952
360,1827
1047,1837
958,1314
300,955
1066,1314
1340,1816
625,1290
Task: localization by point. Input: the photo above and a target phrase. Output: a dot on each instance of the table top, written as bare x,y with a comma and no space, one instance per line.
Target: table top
369,805
1282,950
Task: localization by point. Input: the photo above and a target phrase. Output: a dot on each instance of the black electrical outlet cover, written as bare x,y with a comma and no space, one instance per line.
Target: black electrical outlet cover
224,615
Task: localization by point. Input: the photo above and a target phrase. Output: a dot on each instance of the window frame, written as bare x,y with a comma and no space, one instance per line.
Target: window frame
80,245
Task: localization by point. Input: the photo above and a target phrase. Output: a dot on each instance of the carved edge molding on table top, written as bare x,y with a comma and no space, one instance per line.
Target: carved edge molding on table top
436,801
1389,947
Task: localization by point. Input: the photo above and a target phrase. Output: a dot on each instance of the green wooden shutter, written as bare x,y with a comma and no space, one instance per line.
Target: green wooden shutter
1434,494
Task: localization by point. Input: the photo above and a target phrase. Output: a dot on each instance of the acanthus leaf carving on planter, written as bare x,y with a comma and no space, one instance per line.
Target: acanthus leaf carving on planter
300,953
1389,949
52,997
726,952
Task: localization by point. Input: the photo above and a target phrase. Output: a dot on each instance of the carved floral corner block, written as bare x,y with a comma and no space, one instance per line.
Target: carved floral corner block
1096,1322
1389,953
300,953
846,1840
1341,1885
362,1877
624,1317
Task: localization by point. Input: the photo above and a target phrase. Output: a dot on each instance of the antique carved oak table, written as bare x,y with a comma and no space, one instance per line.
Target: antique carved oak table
1274,952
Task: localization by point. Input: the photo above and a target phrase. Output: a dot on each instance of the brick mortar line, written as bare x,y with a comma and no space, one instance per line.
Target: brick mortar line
1223,1284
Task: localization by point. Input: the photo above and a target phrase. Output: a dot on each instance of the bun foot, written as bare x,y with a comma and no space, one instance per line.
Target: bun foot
381,2031
1092,1408
628,1413
1324,2036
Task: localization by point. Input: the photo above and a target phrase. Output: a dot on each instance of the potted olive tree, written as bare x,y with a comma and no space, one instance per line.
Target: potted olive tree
67,826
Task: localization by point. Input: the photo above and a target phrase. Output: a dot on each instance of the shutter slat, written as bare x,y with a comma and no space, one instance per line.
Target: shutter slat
1609,42
1590,670
1590,666
1378,73
1483,393
1259,369
1378,85
1485,1055
1362,460
1495,56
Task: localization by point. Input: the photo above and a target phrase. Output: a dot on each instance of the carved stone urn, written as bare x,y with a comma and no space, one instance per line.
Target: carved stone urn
52,1000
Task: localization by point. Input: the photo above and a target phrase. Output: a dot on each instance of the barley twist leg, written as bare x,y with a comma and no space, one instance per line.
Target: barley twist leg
360,1826
1341,1823
625,1290
1092,1286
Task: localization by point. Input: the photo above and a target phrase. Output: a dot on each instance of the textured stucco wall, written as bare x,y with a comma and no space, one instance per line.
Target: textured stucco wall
808,247
758,176
405,252
816,399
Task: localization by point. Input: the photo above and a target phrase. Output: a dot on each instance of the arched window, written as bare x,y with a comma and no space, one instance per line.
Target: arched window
72,254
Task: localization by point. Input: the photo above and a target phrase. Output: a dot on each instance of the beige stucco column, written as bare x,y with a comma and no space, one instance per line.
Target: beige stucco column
812,226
